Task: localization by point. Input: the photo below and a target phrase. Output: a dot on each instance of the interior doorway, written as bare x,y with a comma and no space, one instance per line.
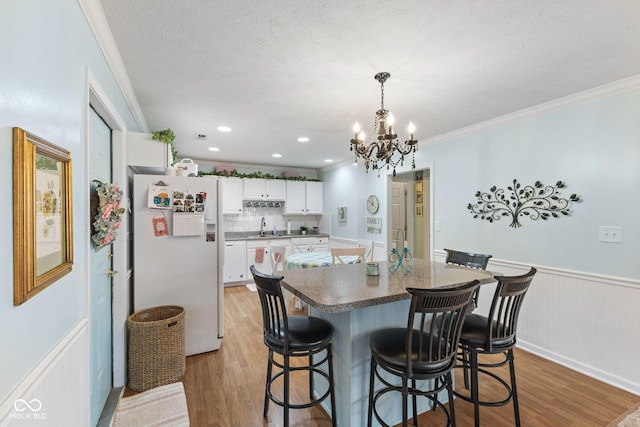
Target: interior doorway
411,210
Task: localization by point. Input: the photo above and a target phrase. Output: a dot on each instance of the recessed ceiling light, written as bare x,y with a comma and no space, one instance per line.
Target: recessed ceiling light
328,161
224,128
214,149
303,139
276,155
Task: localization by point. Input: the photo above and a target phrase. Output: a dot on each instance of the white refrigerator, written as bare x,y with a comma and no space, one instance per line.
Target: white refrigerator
178,253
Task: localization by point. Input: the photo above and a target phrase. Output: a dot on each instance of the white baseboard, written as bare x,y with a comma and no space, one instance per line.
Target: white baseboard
588,370
57,391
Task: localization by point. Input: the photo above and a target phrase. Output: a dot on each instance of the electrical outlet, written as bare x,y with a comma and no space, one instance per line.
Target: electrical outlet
610,234
436,225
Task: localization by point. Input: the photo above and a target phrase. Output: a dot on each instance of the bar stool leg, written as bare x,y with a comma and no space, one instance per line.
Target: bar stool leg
465,367
371,384
334,415
415,404
514,391
310,377
268,384
286,391
405,394
474,386
452,412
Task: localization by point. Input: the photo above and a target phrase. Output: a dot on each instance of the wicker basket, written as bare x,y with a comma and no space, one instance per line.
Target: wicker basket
156,347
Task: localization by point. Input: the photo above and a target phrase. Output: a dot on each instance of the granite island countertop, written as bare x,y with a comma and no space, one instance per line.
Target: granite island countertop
341,288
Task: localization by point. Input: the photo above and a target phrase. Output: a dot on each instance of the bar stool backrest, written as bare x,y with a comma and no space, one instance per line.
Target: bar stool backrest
505,310
439,315
467,259
275,325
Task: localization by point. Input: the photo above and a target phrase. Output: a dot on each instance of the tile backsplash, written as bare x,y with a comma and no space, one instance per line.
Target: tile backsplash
250,218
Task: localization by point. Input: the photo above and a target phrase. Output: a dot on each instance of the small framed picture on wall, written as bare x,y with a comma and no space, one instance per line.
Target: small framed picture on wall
419,198
418,186
418,210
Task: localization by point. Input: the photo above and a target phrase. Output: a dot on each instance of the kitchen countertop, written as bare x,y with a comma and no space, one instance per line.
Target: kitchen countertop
255,235
341,288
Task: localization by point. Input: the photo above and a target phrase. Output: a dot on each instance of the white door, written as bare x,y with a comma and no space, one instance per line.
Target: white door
100,276
398,209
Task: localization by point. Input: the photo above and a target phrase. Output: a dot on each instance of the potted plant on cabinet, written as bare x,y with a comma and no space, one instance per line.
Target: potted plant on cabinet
167,136
303,229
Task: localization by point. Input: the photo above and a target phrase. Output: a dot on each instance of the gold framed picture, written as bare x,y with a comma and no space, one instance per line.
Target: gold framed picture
419,198
418,210
42,214
418,186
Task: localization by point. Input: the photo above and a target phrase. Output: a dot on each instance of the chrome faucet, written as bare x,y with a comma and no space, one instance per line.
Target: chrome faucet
263,224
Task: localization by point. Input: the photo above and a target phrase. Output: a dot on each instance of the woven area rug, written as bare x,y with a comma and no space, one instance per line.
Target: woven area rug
631,420
160,406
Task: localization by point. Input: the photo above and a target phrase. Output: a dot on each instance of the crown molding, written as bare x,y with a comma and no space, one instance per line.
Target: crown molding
609,89
99,26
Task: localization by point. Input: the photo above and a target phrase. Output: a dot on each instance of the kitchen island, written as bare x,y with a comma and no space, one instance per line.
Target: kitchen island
356,305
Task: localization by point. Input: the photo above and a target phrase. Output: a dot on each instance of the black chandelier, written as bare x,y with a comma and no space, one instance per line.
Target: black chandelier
385,144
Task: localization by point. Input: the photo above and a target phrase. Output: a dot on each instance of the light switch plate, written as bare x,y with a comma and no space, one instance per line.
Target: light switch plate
610,234
436,225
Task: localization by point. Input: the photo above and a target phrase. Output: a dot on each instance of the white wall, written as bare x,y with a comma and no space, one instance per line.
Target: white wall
46,48
589,141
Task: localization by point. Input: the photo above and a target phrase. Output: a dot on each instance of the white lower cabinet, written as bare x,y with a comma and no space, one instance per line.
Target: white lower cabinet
235,261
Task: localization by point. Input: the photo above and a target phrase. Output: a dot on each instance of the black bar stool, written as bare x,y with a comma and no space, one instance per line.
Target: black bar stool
471,260
424,350
494,334
292,336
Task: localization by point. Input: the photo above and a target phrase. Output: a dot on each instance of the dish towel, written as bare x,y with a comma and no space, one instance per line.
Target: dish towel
259,255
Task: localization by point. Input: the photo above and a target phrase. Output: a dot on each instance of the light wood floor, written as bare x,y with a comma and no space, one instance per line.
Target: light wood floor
225,388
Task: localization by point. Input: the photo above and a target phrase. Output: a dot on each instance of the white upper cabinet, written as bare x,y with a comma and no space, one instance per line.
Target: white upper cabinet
231,196
304,198
144,151
264,189
296,193
314,197
276,189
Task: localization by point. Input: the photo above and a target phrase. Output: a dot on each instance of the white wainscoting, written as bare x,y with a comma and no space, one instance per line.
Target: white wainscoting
57,390
587,322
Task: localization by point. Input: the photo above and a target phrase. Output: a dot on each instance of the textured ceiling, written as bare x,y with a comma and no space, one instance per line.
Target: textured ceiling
277,70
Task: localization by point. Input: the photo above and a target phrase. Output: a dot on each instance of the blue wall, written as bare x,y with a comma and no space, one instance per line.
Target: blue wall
592,146
46,47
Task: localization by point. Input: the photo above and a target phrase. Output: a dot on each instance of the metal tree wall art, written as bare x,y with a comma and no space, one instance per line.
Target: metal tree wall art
537,201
